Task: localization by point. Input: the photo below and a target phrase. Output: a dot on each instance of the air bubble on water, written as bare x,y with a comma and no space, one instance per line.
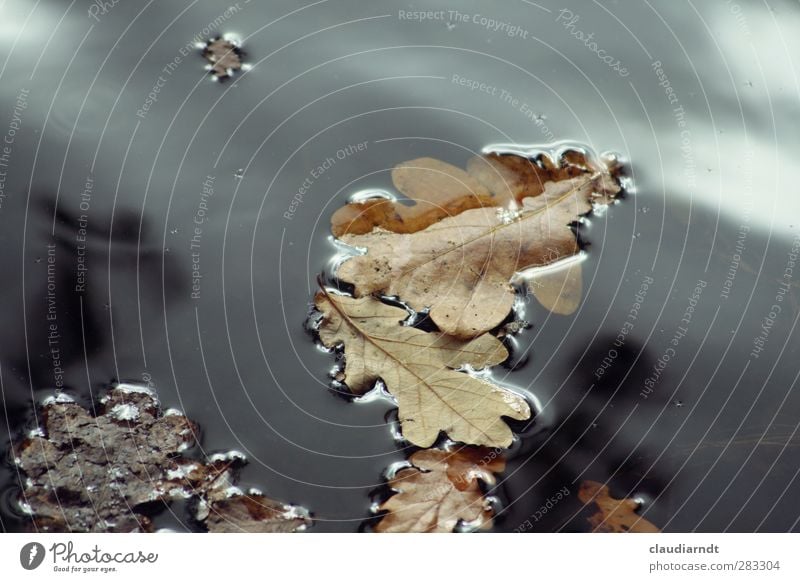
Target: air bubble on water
378,392
397,434
173,231
128,412
642,499
182,471
371,194
232,456
296,512
25,507
36,432
60,398
239,174
393,469
344,252
134,388
507,216
677,403
644,209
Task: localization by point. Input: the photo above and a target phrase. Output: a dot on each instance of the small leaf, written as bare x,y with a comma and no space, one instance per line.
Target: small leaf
437,189
441,489
224,57
613,515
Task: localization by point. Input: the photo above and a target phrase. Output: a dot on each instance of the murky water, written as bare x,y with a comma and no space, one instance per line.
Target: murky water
158,226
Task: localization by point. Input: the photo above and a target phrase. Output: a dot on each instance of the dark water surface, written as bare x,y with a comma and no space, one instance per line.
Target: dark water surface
200,257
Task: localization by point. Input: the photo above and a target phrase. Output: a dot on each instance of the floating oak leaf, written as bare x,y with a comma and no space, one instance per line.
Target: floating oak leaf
111,472
224,57
418,369
613,515
461,266
440,490
437,189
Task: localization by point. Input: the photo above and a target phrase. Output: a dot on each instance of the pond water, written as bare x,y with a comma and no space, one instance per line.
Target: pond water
157,226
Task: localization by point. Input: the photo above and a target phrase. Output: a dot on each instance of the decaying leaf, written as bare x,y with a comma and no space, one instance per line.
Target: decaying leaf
513,177
441,489
438,189
418,369
113,471
461,266
254,514
224,57
558,290
613,515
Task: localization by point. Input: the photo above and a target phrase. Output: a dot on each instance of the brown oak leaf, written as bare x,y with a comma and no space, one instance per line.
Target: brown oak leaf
613,515
418,369
441,489
462,266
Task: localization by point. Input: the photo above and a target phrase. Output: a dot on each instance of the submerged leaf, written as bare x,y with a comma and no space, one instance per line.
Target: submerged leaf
461,266
418,368
113,471
613,515
441,489
437,189
513,177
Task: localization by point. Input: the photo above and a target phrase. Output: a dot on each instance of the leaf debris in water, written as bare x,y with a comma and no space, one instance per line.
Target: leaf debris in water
113,471
224,57
612,515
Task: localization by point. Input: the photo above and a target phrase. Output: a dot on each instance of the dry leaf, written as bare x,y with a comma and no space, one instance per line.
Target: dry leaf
438,190
103,473
224,57
513,177
461,266
559,290
613,515
418,369
441,489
